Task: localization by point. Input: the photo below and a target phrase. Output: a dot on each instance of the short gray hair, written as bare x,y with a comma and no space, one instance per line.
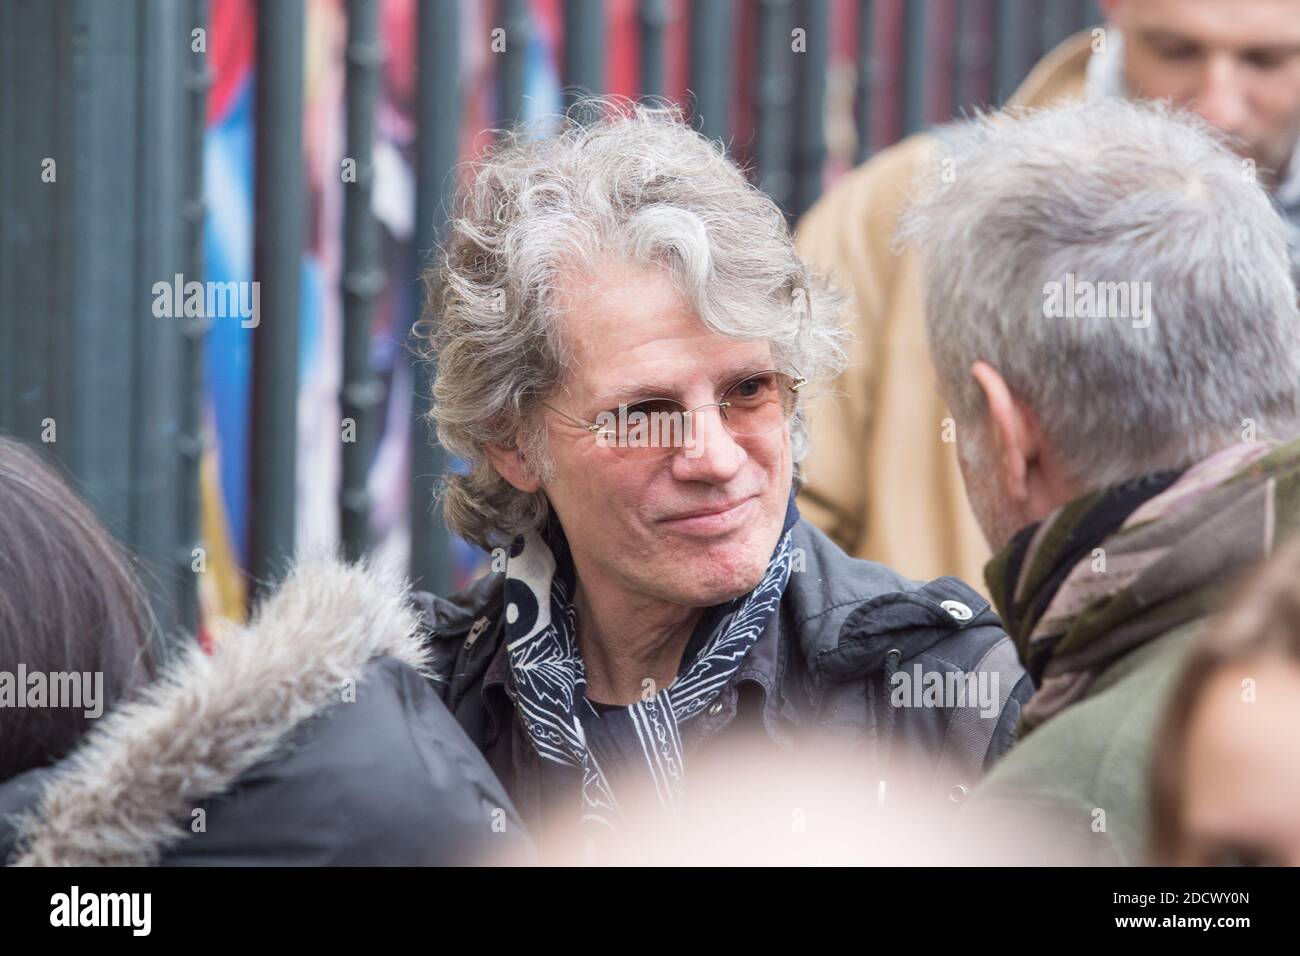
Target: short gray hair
636,184
1109,191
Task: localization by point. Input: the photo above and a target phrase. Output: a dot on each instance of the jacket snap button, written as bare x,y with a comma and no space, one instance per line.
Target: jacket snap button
958,610
958,793
715,708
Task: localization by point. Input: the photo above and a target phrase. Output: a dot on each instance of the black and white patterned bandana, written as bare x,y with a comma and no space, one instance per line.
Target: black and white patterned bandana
641,744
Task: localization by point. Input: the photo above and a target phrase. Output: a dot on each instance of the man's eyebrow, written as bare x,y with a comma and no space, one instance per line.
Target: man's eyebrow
1271,49
638,390
1160,35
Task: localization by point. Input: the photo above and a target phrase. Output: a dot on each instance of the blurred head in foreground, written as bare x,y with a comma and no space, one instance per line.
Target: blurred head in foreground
1227,768
818,805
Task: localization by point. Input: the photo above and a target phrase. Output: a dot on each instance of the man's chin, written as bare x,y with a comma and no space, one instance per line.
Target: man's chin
694,586
702,573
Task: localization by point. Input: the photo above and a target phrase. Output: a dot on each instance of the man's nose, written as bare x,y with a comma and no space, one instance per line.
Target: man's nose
710,453
1221,100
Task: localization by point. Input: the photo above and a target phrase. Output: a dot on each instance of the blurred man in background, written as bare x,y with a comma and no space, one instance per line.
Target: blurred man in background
882,479
1111,314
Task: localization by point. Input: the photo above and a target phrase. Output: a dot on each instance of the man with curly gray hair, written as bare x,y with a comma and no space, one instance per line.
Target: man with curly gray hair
625,338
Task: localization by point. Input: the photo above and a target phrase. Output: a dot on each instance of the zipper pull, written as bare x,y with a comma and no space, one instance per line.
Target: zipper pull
479,627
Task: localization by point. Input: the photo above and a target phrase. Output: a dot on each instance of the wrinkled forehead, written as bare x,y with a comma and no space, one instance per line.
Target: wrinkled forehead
629,332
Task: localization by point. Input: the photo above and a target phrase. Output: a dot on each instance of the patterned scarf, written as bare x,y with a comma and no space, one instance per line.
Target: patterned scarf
639,745
1117,568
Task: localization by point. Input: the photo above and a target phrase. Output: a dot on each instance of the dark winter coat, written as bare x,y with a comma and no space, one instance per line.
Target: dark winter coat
311,737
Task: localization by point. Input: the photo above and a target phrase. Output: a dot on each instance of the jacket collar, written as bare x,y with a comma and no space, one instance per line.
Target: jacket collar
849,614
840,617
1063,72
1112,570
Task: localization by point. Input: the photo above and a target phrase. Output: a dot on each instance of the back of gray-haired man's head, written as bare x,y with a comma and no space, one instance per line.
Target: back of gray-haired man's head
1123,272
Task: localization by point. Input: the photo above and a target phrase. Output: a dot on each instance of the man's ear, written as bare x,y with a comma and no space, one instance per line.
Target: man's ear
1013,435
510,465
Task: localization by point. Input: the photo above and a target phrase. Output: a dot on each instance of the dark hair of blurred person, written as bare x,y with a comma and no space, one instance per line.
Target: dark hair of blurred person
1226,773
68,603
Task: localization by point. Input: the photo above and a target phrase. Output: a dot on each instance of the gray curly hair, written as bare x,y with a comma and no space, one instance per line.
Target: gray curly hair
637,185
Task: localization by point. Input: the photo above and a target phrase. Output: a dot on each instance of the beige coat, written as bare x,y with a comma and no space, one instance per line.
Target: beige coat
880,479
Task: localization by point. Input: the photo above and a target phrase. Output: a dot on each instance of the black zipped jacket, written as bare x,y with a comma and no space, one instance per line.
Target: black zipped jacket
849,656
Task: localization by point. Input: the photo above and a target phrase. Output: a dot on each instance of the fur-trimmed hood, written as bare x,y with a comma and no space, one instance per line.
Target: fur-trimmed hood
330,677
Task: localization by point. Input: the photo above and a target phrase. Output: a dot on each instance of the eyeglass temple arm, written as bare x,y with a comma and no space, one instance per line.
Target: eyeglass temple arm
594,429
